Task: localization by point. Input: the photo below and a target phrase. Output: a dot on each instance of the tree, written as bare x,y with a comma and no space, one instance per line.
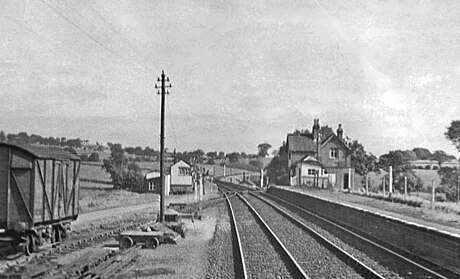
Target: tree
138,150
94,157
84,157
2,137
401,168
441,157
453,133
394,158
409,155
449,180
277,169
256,164
362,161
233,157
124,175
422,153
212,155
129,150
263,149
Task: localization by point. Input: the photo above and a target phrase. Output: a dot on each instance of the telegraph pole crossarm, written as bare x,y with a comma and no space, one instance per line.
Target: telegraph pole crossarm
162,90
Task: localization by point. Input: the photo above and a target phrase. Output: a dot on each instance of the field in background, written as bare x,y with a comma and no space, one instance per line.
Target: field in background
92,175
93,199
427,176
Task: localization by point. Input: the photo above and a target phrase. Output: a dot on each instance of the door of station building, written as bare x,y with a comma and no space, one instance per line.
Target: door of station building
345,181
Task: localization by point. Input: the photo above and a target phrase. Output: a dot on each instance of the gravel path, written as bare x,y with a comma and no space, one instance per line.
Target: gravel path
316,260
220,250
262,259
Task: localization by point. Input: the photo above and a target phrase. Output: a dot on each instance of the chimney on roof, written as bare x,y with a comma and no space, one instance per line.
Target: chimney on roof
315,129
340,132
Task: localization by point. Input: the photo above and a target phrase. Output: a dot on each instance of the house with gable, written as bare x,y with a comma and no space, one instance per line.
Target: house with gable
178,178
321,158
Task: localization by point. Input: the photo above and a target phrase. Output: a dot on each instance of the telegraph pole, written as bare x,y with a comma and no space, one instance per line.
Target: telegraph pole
162,90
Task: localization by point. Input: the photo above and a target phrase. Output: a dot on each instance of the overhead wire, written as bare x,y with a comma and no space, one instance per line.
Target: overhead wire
41,37
111,27
92,37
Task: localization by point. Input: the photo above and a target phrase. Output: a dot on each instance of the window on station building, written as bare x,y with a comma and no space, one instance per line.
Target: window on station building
184,171
311,171
151,186
334,153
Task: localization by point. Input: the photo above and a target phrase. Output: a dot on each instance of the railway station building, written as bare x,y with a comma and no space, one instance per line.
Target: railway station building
321,158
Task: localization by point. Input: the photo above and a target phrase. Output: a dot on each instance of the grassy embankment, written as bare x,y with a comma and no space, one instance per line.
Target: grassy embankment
96,191
416,199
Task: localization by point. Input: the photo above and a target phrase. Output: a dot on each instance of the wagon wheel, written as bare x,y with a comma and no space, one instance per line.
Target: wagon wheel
152,243
57,234
126,242
29,246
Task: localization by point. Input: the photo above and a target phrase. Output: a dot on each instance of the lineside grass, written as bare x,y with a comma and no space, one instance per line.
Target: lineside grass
445,213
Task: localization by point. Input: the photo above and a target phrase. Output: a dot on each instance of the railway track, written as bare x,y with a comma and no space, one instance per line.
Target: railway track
262,255
319,257
361,246
366,258
107,266
40,265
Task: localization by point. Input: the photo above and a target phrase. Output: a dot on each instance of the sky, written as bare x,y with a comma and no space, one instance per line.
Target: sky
242,72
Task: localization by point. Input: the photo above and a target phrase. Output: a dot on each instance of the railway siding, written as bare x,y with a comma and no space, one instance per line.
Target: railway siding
434,245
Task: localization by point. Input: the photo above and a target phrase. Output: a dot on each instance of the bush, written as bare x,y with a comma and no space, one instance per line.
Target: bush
94,157
124,175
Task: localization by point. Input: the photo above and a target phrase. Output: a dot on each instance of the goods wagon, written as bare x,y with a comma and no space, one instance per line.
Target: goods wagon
39,190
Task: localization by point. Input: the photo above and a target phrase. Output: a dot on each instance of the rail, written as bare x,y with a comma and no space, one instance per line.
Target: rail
299,273
239,249
348,258
432,273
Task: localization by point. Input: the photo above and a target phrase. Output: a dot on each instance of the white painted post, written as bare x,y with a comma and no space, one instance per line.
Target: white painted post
196,190
224,170
405,187
167,184
261,178
433,194
201,188
390,181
